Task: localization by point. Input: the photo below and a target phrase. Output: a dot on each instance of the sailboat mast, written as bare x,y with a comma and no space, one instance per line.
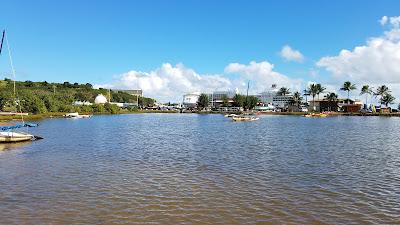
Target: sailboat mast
11,62
247,93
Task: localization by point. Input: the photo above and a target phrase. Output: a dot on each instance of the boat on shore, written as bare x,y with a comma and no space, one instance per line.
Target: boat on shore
76,116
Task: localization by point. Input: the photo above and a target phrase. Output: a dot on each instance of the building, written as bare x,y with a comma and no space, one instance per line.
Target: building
281,101
190,100
217,97
100,99
267,96
350,106
324,105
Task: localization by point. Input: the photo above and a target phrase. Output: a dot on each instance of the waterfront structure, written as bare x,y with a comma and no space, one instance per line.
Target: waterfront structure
267,96
217,97
342,105
190,100
100,99
281,101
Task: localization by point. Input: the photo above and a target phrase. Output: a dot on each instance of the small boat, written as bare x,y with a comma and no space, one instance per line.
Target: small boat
10,136
244,118
321,115
76,115
7,134
230,115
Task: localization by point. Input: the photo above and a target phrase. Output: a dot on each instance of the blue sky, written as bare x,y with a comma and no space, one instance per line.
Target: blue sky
95,41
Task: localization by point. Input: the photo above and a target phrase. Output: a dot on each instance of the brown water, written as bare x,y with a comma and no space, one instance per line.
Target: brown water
204,169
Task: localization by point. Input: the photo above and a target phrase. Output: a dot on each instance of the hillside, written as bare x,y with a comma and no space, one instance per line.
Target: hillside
43,97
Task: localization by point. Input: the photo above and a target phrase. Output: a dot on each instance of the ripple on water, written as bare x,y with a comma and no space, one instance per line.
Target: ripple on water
196,169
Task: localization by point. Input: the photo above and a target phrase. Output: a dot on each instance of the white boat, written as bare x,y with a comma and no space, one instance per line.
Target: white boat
230,115
76,115
7,133
244,118
11,136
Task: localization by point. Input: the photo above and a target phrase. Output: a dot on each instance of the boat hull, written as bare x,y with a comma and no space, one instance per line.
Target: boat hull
8,137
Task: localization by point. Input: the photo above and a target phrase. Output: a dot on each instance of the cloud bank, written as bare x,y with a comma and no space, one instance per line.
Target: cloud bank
169,83
375,63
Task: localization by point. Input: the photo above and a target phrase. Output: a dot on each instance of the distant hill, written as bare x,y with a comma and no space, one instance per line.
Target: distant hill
43,97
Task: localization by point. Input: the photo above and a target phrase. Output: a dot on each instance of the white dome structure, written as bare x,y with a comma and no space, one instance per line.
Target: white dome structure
100,99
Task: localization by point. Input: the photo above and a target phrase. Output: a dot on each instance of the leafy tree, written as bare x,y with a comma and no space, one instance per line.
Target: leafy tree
238,100
366,90
313,90
381,91
225,101
348,86
111,108
251,102
296,100
283,91
306,93
331,97
320,89
202,102
387,99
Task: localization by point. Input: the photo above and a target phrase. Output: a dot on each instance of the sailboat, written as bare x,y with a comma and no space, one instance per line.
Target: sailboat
8,133
246,117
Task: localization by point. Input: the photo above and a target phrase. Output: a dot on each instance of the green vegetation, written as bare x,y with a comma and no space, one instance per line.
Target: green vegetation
44,97
366,90
348,86
202,102
248,102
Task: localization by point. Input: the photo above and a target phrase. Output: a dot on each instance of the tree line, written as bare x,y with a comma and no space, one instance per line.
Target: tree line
43,97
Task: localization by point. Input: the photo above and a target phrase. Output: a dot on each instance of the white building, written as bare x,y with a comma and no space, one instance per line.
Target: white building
100,99
267,96
281,101
190,100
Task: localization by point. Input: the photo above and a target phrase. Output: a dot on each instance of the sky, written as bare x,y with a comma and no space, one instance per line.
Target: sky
170,47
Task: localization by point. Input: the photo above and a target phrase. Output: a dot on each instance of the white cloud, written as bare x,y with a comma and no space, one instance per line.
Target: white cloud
169,83
291,54
375,63
261,75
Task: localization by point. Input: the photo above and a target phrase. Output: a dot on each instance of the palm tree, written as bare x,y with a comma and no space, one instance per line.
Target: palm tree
202,102
366,90
387,99
348,86
313,90
320,89
283,91
296,100
331,97
306,93
382,91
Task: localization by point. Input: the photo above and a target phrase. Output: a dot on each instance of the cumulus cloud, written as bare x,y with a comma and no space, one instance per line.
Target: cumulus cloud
262,74
169,83
291,54
376,62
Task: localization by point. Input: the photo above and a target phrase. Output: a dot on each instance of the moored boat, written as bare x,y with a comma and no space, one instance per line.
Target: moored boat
76,115
244,118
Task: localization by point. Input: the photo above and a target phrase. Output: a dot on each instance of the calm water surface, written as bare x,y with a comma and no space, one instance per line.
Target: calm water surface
204,169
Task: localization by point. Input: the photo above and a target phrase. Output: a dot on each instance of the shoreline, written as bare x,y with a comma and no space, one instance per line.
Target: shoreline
9,118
